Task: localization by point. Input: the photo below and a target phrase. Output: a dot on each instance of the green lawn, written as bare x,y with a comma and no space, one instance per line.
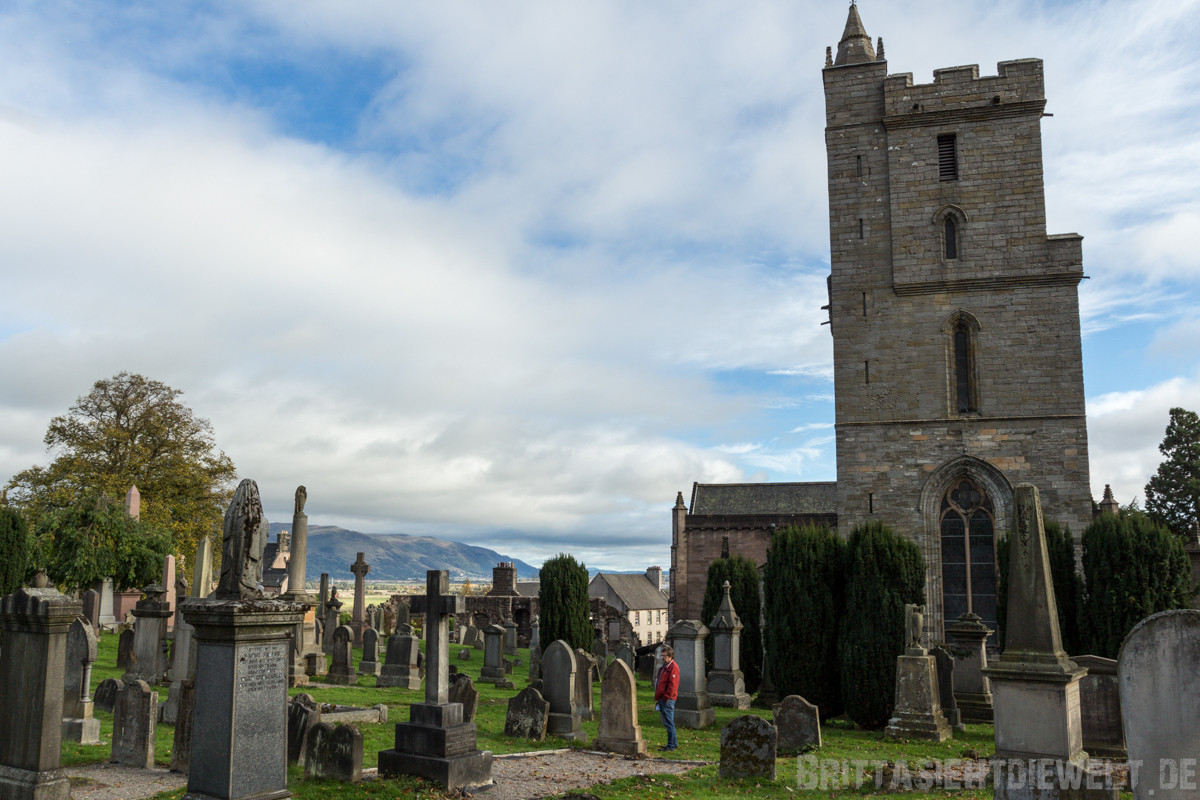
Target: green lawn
841,742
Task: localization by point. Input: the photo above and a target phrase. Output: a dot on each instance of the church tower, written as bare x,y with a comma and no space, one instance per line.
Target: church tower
955,317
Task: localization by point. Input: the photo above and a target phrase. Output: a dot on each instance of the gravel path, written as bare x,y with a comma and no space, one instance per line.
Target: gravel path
520,776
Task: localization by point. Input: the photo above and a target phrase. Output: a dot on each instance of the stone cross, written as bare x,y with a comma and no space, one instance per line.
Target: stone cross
360,568
437,605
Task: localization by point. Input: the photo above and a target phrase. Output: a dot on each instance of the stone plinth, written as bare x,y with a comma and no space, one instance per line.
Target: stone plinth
34,624
972,689
693,708
918,710
239,724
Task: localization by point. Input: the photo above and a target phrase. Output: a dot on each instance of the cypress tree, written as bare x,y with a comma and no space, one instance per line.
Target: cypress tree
563,602
742,575
1068,585
14,550
883,572
802,589
1132,567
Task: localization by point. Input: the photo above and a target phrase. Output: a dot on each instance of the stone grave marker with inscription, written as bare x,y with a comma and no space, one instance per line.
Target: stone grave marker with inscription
341,671
135,719
334,753
79,724
401,666
464,692
369,665
527,715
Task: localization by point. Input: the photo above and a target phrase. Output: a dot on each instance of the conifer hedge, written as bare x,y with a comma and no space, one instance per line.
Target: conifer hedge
1068,585
14,550
563,602
802,588
742,575
883,572
1133,567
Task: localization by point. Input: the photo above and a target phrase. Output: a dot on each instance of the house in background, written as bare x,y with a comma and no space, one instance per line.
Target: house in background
639,598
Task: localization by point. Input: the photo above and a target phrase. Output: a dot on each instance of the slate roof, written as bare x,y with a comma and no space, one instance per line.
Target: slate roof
528,588
635,591
272,578
763,498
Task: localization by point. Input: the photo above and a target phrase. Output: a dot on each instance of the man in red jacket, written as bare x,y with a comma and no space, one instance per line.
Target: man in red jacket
665,693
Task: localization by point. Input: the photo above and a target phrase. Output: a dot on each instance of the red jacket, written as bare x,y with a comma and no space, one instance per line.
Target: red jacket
668,682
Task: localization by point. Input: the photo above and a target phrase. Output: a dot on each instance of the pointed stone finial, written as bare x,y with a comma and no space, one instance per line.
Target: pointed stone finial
855,46
726,618
1109,503
879,56
828,56
133,502
679,500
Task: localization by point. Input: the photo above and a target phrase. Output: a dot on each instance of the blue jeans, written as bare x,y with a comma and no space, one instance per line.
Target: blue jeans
666,710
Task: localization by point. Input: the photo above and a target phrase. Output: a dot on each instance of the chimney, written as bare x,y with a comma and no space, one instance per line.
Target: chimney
654,575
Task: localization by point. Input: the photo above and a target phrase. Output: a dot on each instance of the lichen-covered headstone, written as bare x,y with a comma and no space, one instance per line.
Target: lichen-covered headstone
798,725
105,697
135,719
463,691
748,747
341,671
369,665
334,752
527,715
619,729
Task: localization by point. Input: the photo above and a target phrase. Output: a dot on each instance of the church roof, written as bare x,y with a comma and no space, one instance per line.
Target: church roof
764,498
635,591
528,588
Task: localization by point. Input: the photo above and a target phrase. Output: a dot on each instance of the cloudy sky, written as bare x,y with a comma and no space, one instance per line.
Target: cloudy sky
514,273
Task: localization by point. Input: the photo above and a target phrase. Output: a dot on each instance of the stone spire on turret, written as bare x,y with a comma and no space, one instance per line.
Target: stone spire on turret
855,46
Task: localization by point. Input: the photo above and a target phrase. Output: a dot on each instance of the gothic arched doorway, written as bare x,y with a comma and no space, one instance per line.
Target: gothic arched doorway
967,524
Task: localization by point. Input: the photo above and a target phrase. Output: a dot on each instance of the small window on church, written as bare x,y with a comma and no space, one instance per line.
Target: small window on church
950,234
947,157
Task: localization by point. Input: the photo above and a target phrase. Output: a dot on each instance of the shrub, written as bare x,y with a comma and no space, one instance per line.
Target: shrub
14,550
563,602
742,575
1068,585
883,572
802,588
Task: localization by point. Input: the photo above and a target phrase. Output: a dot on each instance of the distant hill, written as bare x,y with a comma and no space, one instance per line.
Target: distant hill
397,556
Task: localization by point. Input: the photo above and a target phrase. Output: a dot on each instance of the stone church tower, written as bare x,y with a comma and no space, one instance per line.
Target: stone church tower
955,317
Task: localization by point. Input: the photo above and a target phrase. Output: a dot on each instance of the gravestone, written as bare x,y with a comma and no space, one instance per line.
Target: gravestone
493,665
726,684
619,729
242,641
470,636
334,753
323,596
798,725
307,657
202,573
463,691
125,649
510,637
588,661
168,586
91,608
625,653
436,743
79,725
1035,685
464,655
748,748
135,719
527,715
181,748
583,683
559,676
332,621
600,650
945,677
645,668
33,626
358,617
303,715
341,671
1100,708
972,689
1160,703
400,669
105,698
693,709
370,658
917,713
152,614
107,619
535,652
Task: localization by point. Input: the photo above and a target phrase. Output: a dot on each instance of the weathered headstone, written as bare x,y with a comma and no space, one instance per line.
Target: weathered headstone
527,715
625,653
693,708
972,689
470,636
400,669
798,725
493,666
464,655
1100,708
202,580
334,753
726,684
341,671
79,725
748,748
463,691
535,652
944,662
105,698
1160,703
125,649
135,720
619,729
369,665
152,613
33,624
91,608
583,683
333,620
510,637
917,713
307,657
181,748
559,669
323,597
435,743
168,585
358,617
303,715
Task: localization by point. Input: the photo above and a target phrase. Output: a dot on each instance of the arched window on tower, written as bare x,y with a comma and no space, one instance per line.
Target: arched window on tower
962,333
962,368
950,238
950,226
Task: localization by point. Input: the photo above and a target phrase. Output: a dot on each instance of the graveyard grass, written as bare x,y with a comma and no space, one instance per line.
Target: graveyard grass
841,741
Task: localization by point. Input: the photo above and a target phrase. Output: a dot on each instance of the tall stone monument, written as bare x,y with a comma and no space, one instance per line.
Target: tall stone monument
1035,685
34,623
358,618
726,684
436,743
239,723
918,709
693,708
305,645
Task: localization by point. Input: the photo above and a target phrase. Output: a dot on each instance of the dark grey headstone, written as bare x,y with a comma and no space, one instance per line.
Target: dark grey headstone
334,753
527,715
945,675
464,655
135,718
81,652
125,649
798,724
463,691
105,697
181,750
1100,708
91,608
748,748
303,714
341,671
